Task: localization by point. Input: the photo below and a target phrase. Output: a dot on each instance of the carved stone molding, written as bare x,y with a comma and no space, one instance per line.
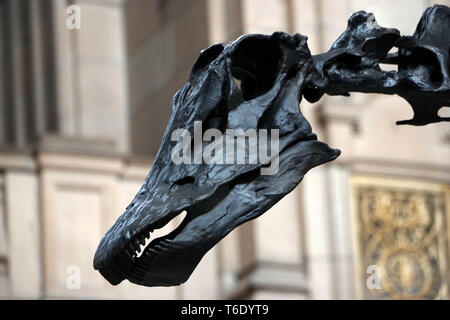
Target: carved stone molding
402,235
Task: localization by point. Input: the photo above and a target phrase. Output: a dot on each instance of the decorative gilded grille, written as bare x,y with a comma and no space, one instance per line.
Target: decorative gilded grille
402,239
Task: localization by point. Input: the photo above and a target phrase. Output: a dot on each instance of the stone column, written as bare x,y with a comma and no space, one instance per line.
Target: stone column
265,16
40,71
278,269
224,20
3,75
66,89
18,52
91,72
236,256
101,66
23,222
4,284
306,21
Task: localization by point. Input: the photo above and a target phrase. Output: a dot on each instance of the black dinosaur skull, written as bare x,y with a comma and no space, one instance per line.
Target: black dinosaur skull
217,197
274,72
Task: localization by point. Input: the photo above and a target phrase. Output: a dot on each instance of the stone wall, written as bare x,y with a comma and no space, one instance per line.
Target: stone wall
56,206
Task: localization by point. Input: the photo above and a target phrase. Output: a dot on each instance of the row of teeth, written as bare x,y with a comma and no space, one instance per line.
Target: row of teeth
137,246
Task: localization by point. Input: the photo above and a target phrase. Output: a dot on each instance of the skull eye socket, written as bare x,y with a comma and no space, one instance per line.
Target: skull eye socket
425,62
256,63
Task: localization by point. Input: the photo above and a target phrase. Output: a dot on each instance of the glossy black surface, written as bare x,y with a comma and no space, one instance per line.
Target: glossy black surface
275,72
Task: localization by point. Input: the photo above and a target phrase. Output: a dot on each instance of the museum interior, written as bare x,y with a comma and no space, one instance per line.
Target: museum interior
83,109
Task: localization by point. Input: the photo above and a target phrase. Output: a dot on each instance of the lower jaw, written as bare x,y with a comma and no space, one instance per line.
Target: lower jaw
122,267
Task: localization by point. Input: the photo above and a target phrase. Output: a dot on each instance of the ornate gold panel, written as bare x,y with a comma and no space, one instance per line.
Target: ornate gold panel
402,239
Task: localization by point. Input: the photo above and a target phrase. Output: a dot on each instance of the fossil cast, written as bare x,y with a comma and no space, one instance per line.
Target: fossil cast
275,73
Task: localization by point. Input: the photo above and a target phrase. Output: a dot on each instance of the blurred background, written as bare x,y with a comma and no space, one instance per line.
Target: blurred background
84,99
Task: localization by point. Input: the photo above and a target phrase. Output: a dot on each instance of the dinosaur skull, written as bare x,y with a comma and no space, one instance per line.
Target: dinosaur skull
217,197
274,73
